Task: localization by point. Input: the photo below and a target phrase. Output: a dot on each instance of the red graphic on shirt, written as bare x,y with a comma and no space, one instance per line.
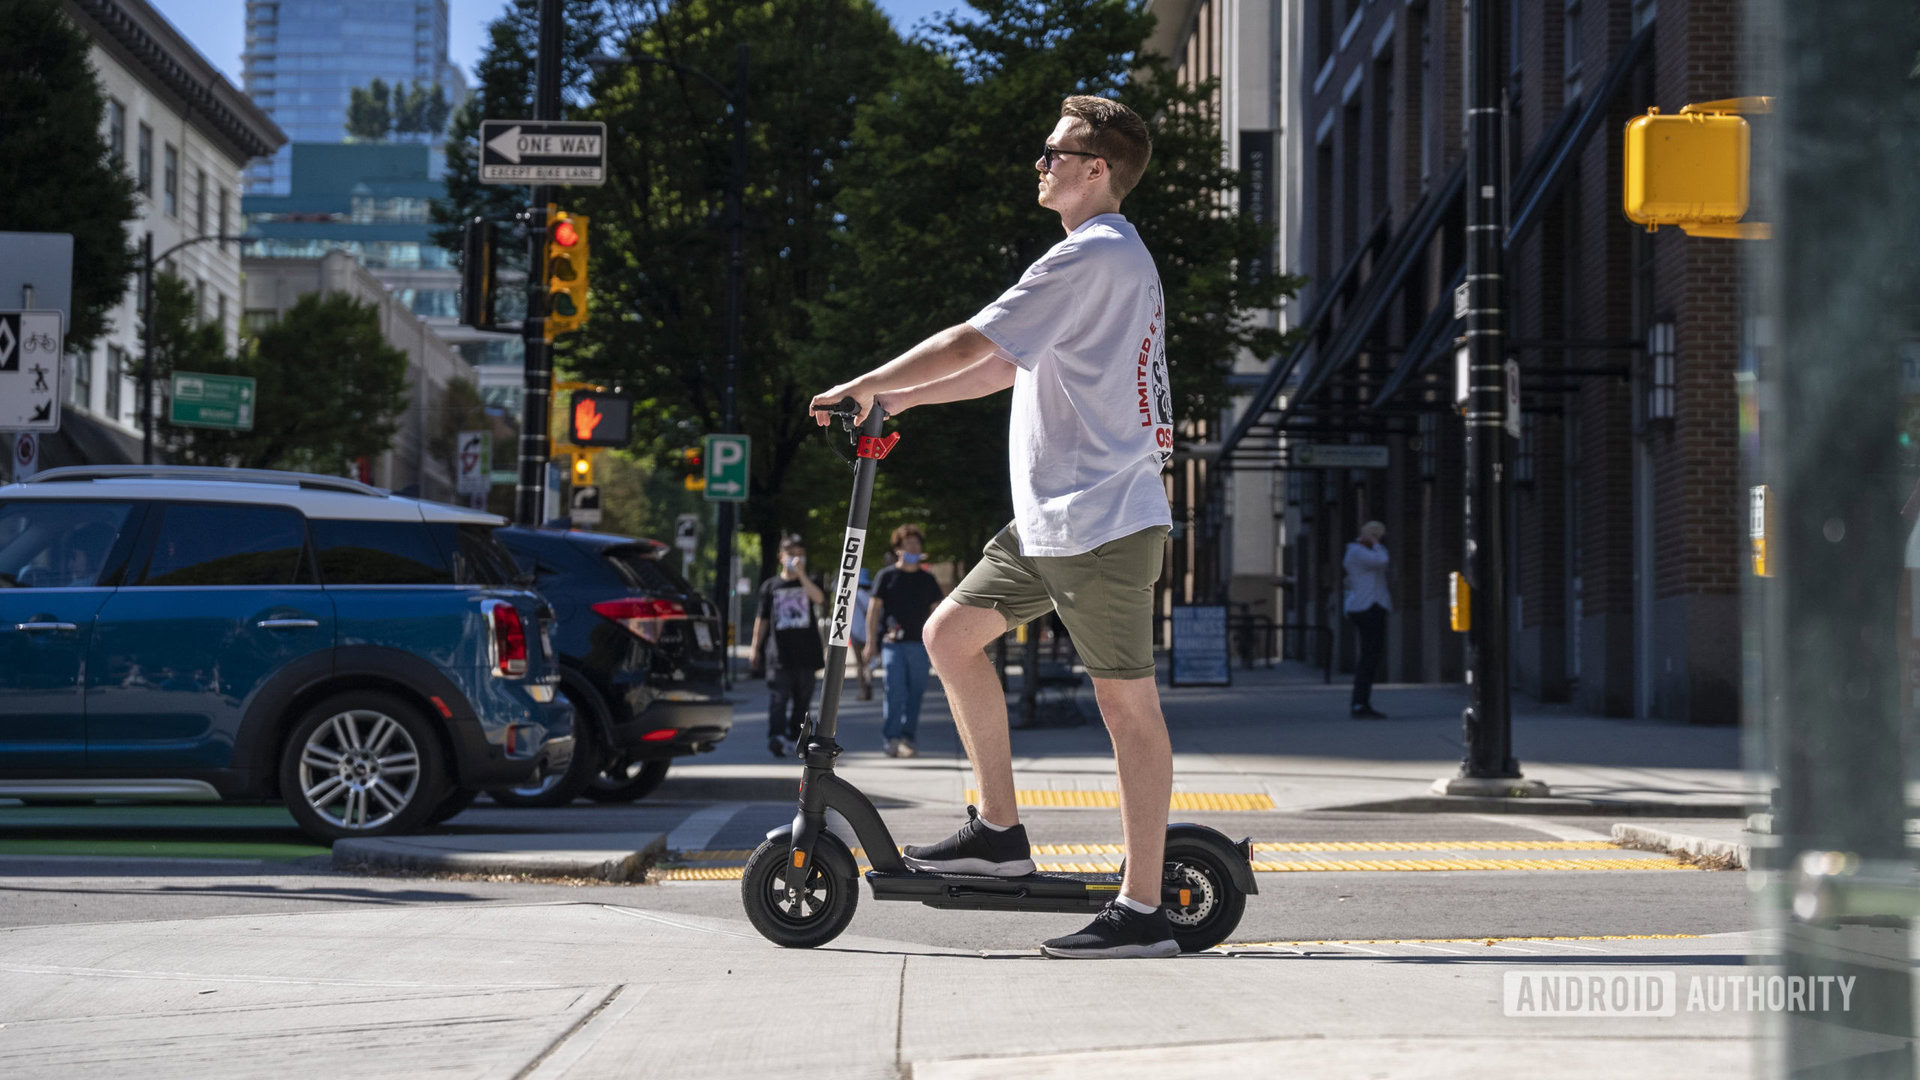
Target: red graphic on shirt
1154,399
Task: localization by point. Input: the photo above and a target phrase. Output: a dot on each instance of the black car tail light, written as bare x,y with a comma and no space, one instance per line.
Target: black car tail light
641,617
509,633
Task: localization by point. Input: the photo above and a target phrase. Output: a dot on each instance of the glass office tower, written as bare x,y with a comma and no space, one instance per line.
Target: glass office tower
304,57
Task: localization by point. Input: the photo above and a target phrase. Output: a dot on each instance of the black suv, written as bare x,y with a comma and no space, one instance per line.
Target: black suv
640,657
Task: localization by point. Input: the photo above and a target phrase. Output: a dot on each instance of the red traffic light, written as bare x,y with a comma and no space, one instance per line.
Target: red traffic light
565,234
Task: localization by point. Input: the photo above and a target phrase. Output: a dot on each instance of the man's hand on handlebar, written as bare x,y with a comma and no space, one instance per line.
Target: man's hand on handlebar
890,403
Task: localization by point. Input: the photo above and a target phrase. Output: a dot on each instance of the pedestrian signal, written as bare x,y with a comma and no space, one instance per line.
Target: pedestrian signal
600,418
479,276
566,271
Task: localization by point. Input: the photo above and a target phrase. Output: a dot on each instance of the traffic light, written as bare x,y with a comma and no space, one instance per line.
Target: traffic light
582,470
600,418
479,275
566,271
1691,169
693,469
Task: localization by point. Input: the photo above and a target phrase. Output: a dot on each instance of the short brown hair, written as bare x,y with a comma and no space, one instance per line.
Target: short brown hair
793,540
900,535
1117,134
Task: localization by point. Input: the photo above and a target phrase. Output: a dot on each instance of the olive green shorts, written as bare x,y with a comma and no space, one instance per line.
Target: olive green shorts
1104,596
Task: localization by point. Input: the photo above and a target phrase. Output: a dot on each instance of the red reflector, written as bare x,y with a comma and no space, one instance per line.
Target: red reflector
442,706
660,736
509,638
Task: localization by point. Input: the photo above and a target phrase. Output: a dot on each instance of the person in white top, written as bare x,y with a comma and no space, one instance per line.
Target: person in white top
1081,340
1368,603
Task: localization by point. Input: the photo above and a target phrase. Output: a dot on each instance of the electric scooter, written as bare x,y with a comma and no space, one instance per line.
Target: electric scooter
802,884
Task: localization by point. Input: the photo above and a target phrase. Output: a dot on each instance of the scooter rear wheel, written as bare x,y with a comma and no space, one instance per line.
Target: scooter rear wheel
824,905
1217,903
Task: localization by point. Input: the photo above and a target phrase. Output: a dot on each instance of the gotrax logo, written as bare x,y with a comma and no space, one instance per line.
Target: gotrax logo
849,581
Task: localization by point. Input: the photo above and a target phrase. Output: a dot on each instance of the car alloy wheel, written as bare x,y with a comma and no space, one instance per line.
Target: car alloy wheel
358,769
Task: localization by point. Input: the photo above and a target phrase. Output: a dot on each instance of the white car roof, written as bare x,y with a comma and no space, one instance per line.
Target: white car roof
316,496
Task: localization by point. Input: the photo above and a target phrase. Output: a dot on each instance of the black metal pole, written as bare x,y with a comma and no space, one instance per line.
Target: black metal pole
535,444
1488,719
146,350
736,283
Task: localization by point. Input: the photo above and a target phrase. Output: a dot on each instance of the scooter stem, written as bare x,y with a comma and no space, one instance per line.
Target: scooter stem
847,581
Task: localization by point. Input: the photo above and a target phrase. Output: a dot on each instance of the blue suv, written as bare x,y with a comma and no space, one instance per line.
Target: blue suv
199,634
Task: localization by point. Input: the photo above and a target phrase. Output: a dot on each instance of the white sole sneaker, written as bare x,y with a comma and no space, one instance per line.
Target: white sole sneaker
1159,950
980,867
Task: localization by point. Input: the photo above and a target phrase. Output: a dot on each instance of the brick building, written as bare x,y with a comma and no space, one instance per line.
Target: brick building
1627,515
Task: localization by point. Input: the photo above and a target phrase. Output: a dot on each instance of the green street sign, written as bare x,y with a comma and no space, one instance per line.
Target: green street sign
726,457
212,401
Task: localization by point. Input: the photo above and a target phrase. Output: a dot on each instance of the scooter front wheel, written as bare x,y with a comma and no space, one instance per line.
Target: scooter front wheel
821,907
1215,903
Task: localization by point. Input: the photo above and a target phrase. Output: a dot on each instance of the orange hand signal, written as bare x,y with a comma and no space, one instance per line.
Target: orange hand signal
586,417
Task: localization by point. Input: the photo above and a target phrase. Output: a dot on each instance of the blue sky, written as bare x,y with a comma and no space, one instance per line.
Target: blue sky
218,27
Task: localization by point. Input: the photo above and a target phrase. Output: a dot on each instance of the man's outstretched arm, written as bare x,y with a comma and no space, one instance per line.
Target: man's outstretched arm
986,376
946,353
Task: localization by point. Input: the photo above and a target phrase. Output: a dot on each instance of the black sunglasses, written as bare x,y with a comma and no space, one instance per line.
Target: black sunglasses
1048,153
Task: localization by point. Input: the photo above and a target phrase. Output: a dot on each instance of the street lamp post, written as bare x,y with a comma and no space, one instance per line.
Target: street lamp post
148,262
736,97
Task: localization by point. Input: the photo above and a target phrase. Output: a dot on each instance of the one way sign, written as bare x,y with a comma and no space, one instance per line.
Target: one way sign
543,152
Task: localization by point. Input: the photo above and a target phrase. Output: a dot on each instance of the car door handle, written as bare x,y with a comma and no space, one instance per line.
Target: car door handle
288,624
38,627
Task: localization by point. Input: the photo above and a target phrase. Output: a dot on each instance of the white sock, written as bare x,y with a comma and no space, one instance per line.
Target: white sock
1144,909
995,828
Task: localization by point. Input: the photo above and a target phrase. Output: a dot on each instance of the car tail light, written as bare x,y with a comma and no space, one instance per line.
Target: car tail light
509,634
661,735
641,616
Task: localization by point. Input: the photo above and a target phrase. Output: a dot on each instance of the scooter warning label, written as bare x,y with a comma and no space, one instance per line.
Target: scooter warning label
843,590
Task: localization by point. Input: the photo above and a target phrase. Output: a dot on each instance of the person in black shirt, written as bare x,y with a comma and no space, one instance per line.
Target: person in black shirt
904,595
787,611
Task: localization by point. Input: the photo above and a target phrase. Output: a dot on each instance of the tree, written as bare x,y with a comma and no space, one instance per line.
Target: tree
300,422
57,173
659,275
940,219
370,111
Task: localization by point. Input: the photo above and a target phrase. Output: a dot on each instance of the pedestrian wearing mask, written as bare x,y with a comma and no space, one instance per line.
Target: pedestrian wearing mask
786,615
857,634
904,595
1368,604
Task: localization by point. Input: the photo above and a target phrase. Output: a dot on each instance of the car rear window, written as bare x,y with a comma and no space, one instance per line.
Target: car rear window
478,558
638,567
216,544
379,553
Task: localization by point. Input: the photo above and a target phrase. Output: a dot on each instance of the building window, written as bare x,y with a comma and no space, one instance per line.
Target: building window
170,177
81,392
223,210
220,311
1382,133
1661,362
116,370
200,299
1523,457
140,294
1429,445
116,131
143,168
254,322
1427,104
200,202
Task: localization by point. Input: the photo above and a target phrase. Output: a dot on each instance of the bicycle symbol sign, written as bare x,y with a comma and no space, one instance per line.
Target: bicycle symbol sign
30,348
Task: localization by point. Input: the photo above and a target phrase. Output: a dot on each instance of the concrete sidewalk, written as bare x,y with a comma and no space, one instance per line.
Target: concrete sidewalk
578,990
1279,739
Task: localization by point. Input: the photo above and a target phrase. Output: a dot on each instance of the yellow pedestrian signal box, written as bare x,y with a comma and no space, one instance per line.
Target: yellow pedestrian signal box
1459,603
1691,169
566,271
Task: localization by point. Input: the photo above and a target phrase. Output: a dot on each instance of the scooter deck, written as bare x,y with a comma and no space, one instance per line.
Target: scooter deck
978,892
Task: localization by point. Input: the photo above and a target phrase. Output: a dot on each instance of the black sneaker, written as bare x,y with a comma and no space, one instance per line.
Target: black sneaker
976,849
1368,712
1118,932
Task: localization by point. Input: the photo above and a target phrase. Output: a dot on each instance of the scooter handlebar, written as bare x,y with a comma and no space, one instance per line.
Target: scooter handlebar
846,406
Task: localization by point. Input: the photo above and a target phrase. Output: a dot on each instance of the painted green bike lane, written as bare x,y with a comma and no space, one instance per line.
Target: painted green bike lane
163,831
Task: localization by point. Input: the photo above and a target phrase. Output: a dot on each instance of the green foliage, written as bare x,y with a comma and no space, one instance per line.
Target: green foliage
300,421
660,246
54,158
370,111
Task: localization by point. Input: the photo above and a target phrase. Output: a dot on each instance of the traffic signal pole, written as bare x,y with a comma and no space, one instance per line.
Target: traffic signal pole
723,574
1489,767
536,444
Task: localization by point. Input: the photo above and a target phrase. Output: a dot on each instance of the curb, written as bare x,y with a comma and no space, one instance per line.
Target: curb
615,856
1486,804
1726,853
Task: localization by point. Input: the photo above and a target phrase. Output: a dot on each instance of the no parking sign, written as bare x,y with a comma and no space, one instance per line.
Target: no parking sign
26,454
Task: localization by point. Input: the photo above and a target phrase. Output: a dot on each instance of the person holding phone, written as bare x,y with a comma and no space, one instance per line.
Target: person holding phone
787,617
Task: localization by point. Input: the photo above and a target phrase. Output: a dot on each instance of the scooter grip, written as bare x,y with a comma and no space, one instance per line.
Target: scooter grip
846,406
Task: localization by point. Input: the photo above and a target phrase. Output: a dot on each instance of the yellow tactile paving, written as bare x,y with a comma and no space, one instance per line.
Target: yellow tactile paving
740,854
1182,800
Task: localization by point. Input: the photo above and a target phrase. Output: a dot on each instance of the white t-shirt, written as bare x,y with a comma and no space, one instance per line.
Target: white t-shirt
1092,422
